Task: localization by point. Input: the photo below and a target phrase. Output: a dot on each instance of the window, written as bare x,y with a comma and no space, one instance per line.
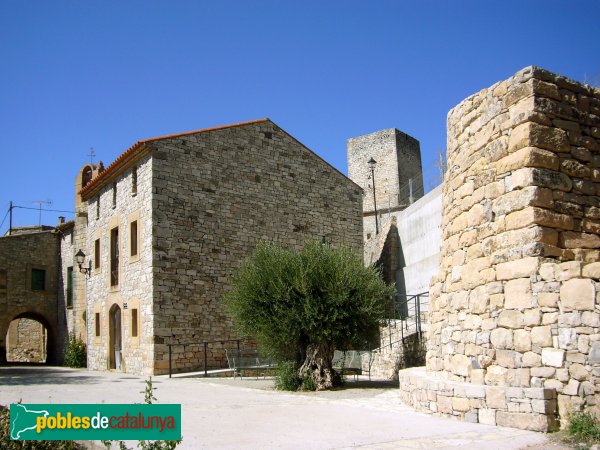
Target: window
134,322
114,257
86,176
134,180
133,238
114,192
97,207
97,324
38,279
69,287
97,254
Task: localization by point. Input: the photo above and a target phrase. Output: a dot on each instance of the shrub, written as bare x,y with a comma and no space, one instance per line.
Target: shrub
584,426
286,377
75,352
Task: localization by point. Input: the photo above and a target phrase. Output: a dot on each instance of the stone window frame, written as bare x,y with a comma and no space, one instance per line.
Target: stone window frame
97,327
114,222
134,305
97,236
134,217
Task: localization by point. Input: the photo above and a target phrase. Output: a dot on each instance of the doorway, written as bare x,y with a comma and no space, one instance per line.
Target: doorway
114,341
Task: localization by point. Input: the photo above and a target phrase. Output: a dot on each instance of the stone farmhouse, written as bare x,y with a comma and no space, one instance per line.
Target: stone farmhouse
507,249
165,226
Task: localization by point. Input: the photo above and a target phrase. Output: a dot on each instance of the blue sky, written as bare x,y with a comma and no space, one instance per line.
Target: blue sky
104,74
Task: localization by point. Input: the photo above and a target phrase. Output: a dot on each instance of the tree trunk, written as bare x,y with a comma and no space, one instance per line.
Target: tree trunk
317,367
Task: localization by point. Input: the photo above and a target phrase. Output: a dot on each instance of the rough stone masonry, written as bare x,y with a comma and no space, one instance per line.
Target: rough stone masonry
514,335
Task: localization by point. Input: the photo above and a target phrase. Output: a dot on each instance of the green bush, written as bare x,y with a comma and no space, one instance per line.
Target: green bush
75,352
7,444
286,377
584,426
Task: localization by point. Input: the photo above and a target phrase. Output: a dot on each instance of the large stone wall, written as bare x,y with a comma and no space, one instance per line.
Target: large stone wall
19,254
515,303
215,195
134,290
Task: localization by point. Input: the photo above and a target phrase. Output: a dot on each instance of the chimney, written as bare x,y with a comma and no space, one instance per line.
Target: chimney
61,220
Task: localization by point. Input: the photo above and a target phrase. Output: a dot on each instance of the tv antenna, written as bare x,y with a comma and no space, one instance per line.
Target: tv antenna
40,203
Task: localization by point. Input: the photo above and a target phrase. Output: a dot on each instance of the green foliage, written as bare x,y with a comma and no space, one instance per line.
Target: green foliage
308,384
149,398
75,352
323,294
7,444
286,377
584,426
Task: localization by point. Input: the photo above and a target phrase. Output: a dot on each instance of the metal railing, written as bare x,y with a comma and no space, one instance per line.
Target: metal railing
206,346
411,313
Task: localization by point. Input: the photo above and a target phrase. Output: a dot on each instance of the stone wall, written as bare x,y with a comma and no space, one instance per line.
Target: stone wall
26,341
215,195
515,303
20,254
134,290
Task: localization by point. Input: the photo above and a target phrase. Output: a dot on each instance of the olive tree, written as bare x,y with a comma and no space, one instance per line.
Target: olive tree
301,306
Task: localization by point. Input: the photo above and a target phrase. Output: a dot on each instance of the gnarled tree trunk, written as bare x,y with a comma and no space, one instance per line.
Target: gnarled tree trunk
317,366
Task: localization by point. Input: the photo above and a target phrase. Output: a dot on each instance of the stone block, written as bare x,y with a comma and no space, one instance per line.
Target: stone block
521,198
517,294
572,387
592,270
531,359
578,371
460,365
594,355
538,216
520,268
541,136
487,416
495,397
508,358
577,294
460,404
527,157
523,421
496,375
568,270
510,318
502,338
548,299
522,340
541,177
553,357
575,239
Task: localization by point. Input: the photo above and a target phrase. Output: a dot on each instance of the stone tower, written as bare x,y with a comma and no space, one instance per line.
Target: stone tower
398,160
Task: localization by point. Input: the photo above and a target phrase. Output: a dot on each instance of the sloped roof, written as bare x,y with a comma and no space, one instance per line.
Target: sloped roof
137,150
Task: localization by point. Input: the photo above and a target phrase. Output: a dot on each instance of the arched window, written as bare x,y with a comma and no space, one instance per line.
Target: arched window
86,176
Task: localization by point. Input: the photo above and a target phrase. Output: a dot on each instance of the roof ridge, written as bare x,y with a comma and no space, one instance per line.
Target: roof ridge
131,151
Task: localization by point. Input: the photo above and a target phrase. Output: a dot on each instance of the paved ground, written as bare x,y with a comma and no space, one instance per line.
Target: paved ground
249,414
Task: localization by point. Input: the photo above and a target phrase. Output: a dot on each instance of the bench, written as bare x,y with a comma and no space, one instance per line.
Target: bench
349,361
240,360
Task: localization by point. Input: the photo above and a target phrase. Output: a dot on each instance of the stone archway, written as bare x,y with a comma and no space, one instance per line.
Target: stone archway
30,338
115,339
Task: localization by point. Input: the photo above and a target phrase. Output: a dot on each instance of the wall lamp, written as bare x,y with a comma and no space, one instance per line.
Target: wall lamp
80,259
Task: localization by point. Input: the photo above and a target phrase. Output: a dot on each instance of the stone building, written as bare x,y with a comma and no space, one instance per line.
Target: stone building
166,225
31,312
514,332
